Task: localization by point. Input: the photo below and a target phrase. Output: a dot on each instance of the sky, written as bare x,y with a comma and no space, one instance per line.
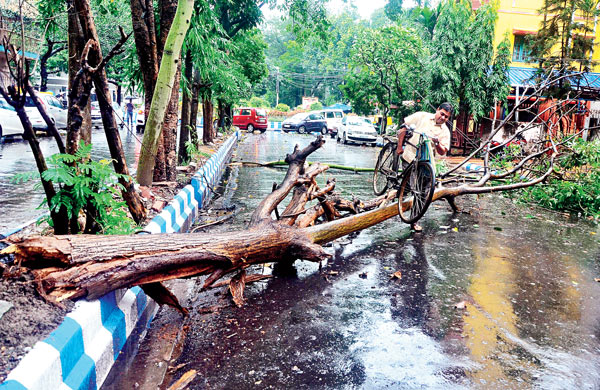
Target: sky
364,7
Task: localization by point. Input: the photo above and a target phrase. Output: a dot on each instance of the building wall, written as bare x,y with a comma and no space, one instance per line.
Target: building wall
519,17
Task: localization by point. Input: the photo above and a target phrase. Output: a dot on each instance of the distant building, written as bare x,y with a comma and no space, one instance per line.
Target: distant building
9,27
520,18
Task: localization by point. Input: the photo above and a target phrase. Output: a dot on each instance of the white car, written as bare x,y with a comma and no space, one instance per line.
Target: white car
96,115
139,118
55,109
357,129
10,124
333,117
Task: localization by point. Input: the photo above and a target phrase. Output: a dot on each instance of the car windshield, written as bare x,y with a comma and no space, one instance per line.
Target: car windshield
356,122
298,117
261,112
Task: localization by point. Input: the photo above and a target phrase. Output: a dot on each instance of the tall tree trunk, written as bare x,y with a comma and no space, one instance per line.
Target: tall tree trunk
184,132
207,127
83,130
166,157
144,33
136,208
162,93
194,108
168,146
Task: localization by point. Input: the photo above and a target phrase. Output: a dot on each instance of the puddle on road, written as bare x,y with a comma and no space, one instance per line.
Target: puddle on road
506,300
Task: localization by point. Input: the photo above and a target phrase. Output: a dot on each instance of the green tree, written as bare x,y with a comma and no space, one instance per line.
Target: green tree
462,54
386,69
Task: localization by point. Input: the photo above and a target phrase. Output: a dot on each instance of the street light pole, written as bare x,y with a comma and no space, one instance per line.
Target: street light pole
277,86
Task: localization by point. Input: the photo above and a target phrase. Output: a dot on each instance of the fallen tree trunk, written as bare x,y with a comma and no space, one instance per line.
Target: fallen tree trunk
91,266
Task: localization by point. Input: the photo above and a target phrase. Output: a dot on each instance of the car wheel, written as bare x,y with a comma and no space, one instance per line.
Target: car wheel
0,133
324,130
263,130
250,128
139,129
374,144
301,129
344,139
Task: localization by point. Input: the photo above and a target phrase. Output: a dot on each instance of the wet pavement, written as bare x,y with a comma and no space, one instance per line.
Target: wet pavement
19,201
502,297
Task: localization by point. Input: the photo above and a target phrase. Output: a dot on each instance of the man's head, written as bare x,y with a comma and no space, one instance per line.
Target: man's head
443,113
130,100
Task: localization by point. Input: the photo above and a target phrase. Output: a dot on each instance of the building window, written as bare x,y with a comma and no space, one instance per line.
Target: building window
521,52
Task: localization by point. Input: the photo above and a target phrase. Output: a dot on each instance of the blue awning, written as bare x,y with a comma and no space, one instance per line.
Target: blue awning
339,106
29,55
522,77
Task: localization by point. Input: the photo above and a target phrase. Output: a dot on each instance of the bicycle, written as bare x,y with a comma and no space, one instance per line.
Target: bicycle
416,180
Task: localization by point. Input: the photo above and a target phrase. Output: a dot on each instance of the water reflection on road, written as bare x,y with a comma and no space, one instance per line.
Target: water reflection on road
504,297
19,202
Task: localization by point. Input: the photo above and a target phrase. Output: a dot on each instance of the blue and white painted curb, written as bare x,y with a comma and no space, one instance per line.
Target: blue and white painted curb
181,212
81,351
274,126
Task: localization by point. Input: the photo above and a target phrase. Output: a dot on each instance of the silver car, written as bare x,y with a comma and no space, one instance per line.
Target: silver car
10,124
55,109
357,129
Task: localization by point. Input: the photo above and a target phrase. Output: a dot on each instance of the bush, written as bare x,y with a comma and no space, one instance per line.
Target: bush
316,106
259,102
577,189
282,107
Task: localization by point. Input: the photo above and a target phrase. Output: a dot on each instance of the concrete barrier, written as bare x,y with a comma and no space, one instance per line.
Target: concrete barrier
81,351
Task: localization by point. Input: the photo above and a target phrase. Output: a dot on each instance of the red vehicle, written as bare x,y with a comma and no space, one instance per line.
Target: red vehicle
250,118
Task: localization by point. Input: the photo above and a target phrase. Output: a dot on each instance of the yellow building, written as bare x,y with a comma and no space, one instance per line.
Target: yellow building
520,18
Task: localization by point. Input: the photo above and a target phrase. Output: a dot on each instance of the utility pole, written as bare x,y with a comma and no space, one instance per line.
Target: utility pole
277,86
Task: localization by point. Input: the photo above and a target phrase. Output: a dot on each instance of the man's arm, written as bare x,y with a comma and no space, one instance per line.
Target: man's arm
439,148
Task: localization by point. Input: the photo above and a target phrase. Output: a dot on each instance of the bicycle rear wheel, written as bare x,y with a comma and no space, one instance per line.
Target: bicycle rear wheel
417,185
383,168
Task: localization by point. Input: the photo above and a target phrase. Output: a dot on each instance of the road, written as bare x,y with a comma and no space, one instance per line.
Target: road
19,201
501,297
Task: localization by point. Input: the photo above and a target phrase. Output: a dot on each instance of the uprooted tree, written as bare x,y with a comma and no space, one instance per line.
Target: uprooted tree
90,266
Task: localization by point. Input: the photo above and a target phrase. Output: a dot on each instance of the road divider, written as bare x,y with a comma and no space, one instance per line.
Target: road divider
81,351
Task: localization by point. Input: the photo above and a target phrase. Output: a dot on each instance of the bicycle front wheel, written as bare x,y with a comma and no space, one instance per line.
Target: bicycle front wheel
383,169
416,189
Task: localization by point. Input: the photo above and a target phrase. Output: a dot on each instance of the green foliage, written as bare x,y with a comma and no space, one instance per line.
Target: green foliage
259,102
316,106
575,186
561,41
193,151
88,185
386,68
462,53
282,107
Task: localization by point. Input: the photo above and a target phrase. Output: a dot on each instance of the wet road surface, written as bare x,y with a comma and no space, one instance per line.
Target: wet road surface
503,297
19,202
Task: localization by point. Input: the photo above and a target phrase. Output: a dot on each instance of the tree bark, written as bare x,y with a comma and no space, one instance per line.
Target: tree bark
49,123
50,51
184,132
162,92
207,126
144,33
83,130
132,198
194,109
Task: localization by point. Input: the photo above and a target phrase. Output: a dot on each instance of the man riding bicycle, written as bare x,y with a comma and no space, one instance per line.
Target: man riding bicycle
434,126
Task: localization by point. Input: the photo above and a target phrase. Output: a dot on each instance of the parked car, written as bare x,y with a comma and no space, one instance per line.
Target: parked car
334,120
96,115
10,124
305,122
357,129
55,109
250,118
